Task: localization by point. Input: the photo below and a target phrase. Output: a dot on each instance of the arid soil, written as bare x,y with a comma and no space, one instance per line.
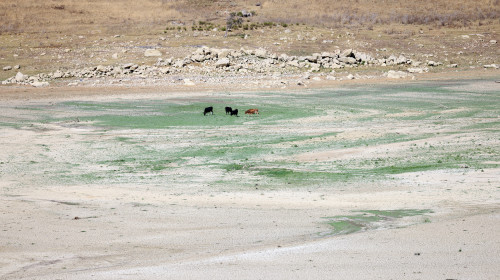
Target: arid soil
194,220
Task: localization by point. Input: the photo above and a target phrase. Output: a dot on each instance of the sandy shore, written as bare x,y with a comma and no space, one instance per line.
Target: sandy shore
127,231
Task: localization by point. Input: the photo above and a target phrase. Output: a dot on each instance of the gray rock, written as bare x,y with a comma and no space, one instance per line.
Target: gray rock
224,62
261,53
418,70
57,75
223,53
101,68
312,58
315,67
169,61
347,53
284,57
198,57
363,57
17,67
293,63
236,54
396,74
179,63
327,55
245,13
434,64
494,66
19,77
40,84
401,60
7,68
164,70
347,60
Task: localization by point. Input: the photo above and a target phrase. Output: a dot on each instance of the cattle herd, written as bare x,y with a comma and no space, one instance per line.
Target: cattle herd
230,111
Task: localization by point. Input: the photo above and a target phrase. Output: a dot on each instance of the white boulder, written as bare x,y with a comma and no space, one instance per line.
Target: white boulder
40,84
223,62
19,77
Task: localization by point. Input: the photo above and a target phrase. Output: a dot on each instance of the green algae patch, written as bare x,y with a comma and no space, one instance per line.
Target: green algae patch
369,219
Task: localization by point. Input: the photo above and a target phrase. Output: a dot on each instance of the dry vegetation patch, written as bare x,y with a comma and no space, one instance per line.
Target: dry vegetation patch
48,35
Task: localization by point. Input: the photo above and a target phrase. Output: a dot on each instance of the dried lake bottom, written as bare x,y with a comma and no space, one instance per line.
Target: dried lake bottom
396,181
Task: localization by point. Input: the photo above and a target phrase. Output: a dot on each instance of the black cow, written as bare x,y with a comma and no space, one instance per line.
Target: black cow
208,110
229,110
234,112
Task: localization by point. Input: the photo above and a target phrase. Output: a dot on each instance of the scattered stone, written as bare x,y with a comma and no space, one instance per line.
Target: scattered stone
494,66
152,52
7,68
261,53
224,62
493,41
57,75
40,84
244,60
396,74
246,13
179,63
433,63
315,67
17,67
418,70
19,77
453,66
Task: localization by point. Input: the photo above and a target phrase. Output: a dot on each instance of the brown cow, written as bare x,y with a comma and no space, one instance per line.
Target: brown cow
252,111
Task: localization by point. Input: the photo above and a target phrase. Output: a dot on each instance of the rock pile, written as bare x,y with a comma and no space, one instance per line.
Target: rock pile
214,61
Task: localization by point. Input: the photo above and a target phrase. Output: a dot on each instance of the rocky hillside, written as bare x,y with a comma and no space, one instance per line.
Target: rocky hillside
53,41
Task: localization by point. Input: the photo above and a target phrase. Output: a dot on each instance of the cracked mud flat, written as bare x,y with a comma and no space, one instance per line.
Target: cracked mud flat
143,186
